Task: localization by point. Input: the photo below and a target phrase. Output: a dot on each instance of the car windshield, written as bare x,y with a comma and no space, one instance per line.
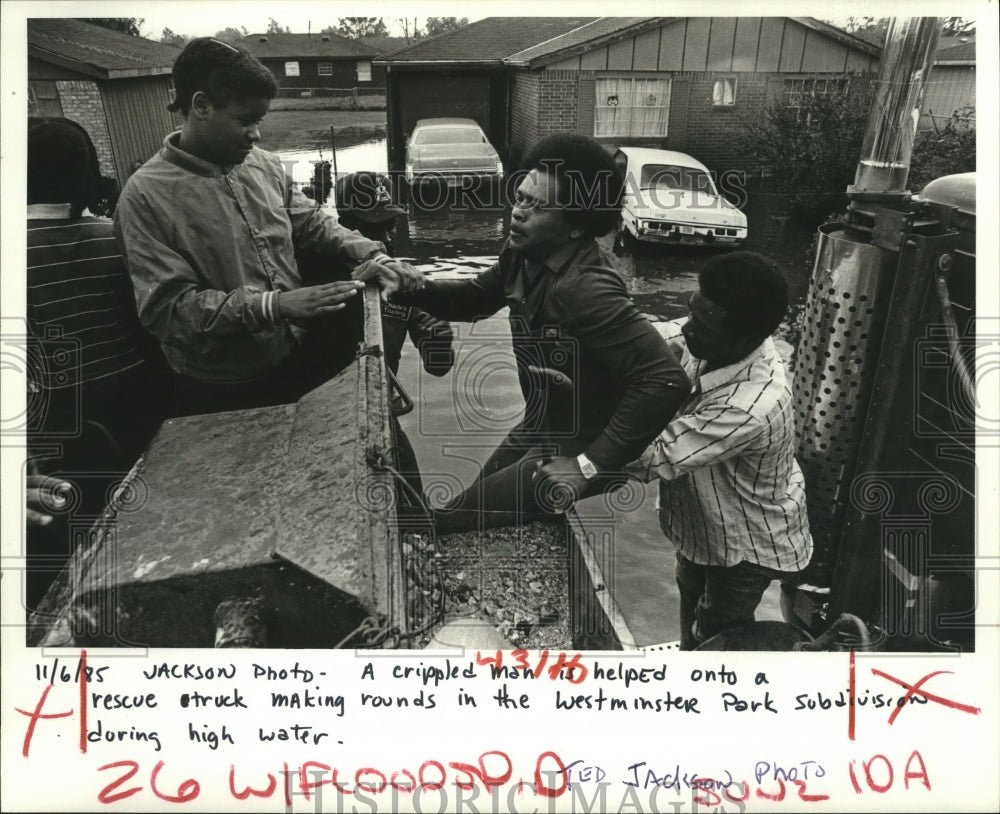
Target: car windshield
449,135
672,176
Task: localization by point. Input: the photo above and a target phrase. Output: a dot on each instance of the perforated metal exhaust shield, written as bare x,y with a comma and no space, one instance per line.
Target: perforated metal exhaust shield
834,372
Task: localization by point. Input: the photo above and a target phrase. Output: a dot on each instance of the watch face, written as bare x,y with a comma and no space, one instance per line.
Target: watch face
586,467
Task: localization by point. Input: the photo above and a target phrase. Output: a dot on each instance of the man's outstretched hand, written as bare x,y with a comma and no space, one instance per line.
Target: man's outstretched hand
392,275
316,300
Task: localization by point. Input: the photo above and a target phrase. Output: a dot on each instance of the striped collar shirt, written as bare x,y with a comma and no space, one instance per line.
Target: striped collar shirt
730,488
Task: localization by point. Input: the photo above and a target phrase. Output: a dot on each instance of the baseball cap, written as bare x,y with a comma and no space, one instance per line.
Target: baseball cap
367,196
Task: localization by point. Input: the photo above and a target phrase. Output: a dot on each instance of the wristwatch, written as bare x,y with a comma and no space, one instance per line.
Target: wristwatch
586,466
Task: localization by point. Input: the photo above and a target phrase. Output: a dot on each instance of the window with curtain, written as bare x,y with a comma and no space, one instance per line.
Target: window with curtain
364,71
724,92
631,106
292,68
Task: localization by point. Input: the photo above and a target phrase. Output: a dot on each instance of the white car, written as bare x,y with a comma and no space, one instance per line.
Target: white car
448,150
671,197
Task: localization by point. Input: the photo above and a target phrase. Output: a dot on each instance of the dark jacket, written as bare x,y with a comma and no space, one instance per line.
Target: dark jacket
573,314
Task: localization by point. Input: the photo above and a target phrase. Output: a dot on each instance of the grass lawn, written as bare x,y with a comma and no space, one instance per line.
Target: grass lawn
309,129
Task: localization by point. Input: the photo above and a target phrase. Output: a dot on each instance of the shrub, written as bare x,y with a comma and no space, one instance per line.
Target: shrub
809,152
951,150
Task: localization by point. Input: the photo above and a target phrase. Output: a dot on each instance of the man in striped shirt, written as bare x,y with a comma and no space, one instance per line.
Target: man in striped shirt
93,362
95,385
732,498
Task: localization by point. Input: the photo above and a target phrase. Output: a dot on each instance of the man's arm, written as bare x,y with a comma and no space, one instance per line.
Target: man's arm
316,230
462,300
616,337
176,307
433,339
711,434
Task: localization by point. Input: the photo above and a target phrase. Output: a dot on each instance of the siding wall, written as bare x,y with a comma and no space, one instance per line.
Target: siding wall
137,119
949,88
758,44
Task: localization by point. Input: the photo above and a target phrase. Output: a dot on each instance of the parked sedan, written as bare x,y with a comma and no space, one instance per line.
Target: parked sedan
670,197
450,150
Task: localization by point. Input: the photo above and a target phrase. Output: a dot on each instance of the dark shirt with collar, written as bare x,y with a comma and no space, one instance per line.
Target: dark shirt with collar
573,313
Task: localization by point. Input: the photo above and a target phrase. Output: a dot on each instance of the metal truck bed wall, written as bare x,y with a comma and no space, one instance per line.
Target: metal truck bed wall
271,527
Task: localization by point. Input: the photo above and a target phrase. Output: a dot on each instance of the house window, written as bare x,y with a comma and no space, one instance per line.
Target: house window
724,92
364,71
43,99
631,106
325,69
797,91
292,68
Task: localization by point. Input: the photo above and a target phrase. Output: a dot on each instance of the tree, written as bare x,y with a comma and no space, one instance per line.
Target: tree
274,27
233,35
170,38
125,25
357,27
808,144
441,25
870,29
958,27
408,34
951,150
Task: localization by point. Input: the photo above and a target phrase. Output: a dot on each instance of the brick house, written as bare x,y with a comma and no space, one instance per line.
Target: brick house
115,85
679,83
314,64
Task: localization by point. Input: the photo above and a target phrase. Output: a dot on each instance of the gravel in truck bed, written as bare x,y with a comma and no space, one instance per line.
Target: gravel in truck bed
515,577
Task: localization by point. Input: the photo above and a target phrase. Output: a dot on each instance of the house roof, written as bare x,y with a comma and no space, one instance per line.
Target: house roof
535,41
840,35
960,54
301,46
487,41
96,51
589,35
386,45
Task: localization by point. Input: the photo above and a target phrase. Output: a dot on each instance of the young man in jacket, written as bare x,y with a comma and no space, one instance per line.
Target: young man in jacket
208,228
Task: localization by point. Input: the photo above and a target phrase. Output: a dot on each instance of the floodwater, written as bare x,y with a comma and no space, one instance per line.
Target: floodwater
458,419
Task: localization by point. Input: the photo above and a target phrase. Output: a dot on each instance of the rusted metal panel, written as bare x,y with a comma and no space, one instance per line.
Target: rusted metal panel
277,509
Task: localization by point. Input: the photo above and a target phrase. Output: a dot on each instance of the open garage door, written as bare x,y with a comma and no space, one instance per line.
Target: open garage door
431,94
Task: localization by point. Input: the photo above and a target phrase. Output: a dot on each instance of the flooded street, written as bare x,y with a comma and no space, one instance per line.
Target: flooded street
458,419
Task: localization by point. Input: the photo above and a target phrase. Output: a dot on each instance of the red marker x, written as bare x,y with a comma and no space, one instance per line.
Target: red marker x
914,689
36,716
